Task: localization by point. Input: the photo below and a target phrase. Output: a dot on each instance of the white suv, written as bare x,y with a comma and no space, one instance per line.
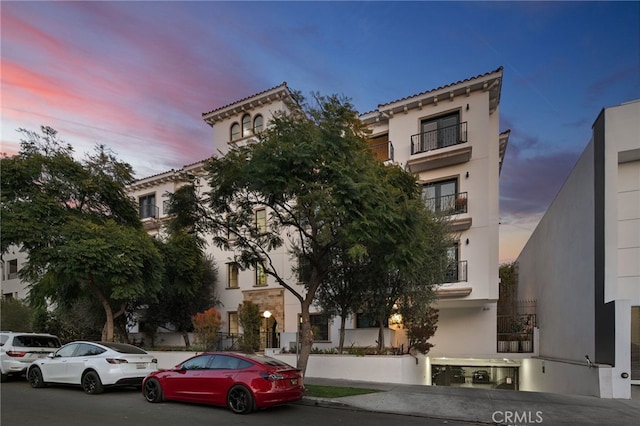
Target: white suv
18,350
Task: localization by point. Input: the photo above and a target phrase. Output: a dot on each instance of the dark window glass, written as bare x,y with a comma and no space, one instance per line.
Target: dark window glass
257,124
319,326
197,363
235,131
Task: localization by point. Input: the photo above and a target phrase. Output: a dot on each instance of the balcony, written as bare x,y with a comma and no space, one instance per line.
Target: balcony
436,148
456,272
149,214
448,204
383,151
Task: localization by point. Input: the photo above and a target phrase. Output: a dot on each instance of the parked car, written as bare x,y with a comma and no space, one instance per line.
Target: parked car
93,365
439,375
18,350
480,376
240,382
457,375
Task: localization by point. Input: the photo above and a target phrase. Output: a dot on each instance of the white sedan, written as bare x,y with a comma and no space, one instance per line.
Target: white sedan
93,365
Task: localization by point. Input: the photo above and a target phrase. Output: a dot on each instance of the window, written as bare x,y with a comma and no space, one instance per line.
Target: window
257,124
225,362
147,206
86,349
367,321
441,196
452,273
261,221
12,267
261,276
67,351
439,132
232,269
232,320
246,125
197,363
235,132
319,326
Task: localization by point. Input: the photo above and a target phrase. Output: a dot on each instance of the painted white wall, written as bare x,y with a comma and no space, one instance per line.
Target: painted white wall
556,268
13,287
465,332
545,375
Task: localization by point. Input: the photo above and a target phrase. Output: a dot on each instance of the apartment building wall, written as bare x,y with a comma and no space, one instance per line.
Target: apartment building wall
467,323
11,287
580,264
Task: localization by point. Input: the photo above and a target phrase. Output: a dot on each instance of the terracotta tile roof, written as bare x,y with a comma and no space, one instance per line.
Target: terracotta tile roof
380,106
283,85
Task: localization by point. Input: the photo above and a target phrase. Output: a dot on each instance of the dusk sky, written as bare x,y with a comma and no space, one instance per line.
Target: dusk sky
137,76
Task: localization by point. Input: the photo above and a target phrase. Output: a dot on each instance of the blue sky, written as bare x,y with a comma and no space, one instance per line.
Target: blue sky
137,76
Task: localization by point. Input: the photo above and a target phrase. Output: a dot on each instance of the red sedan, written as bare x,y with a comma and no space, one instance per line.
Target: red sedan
239,381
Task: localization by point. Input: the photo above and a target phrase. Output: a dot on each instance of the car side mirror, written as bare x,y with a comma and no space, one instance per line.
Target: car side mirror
51,355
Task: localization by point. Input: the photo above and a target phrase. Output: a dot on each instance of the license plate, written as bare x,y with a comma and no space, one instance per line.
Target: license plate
140,366
294,381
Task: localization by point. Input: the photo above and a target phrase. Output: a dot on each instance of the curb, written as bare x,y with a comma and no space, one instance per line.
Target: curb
313,401
324,402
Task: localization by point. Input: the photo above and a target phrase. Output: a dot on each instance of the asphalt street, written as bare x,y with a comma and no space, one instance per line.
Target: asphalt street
70,406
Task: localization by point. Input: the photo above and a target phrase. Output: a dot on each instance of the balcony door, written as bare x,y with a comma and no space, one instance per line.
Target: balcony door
452,274
440,132
441,196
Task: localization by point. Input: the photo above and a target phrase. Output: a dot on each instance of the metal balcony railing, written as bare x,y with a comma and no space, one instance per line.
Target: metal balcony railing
456,272
439,138
515,333
149,211
448,204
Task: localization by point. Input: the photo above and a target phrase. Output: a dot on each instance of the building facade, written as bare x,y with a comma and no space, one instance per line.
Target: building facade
587,282
449,137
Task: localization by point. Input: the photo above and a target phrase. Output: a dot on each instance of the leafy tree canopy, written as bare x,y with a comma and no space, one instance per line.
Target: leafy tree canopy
80,229
324,193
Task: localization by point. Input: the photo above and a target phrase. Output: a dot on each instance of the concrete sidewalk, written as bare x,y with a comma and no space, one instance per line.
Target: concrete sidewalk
485,406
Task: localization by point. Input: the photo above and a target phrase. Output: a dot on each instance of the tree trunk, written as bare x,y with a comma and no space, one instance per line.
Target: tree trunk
380,336
306,336
107,330
343,321
187,342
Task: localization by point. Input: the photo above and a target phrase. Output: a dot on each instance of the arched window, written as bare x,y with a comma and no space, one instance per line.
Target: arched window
246,125
257,124
235,131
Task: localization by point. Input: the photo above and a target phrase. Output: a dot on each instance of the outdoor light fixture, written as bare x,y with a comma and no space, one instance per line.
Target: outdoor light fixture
266,315
467,175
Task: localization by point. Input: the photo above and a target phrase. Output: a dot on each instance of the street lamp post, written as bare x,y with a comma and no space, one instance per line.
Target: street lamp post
266,315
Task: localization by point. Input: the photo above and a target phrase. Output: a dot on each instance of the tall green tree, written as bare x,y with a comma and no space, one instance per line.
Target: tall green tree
315,176
80,229
188,283
341,294
403,263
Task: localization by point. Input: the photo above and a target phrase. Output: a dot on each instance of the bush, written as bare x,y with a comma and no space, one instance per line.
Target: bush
206,325
249,318
15,315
